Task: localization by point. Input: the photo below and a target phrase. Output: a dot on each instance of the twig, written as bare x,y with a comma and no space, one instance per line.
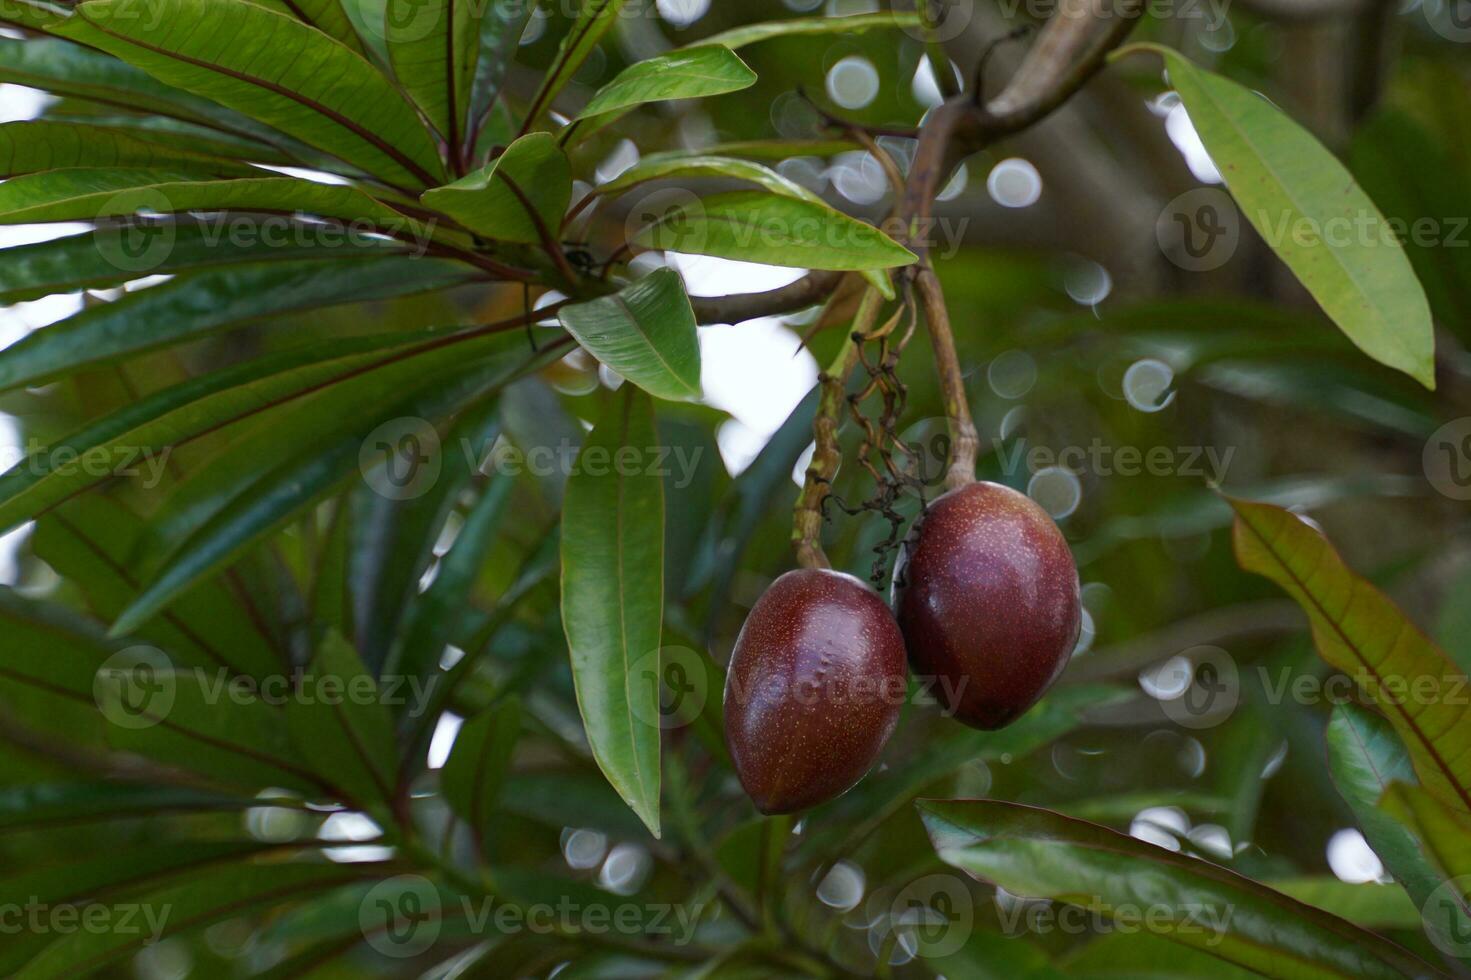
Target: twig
826,455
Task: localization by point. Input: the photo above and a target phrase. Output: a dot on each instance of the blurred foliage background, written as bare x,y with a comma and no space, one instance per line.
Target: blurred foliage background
1076,329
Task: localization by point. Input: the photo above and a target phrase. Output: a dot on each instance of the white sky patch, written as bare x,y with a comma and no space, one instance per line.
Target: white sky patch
18,103
757,371
1351,858
445,733
1182,133
316,176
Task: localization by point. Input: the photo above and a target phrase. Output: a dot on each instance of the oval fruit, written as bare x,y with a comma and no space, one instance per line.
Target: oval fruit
814,689
986,593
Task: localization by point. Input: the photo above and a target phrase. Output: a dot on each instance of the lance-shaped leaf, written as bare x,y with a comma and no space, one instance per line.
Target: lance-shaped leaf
171,417
327,16
92,541
434,45
667,166
501,28
273,68
89,193
438,612
215,895
593,21
1314,215
1040,854
28,147
329,430
89,260
613,597
739,37
754,226
689,73
520,197
1365,758
1445,840
1358,630
646,332
477,766
341,726
184,308
68,70
196,720
35,14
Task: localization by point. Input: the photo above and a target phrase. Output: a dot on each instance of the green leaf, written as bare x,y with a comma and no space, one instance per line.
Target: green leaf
1147,956
209,897
613,598
273,68
434,45
185,308
1364,758
754,226
199,720
1309,209
667,166
646,333
1358,630
501,28
171,417
1040,854
326,16
477,767
341,726
520,197
739,37
1444,833
28,147
593,21
34,14
439,611
93,541
89,260
86,194
58,804
1445,841
689,73
70,71
392,541
330,428
1368,904
143,866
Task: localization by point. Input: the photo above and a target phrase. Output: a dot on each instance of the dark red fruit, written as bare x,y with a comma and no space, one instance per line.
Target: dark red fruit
986,592
814,689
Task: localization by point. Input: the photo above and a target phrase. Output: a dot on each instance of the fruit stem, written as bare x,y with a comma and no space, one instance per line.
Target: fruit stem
826,455
964,442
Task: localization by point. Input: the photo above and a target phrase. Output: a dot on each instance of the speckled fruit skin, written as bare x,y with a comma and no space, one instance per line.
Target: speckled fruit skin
986,593
814,689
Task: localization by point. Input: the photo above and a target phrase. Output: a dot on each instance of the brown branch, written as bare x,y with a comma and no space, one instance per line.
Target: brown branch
739,307
1069,51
